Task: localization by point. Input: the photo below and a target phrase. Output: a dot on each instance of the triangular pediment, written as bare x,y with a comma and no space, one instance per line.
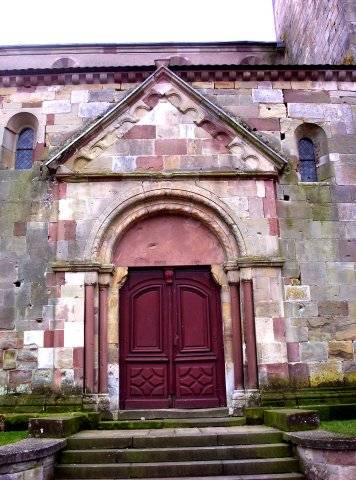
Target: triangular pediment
165,125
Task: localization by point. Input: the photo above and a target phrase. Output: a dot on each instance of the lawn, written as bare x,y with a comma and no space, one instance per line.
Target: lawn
346,427
11,437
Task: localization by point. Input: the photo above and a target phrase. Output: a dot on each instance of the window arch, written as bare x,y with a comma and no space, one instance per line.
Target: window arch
307,160
19,141
24,149
312,148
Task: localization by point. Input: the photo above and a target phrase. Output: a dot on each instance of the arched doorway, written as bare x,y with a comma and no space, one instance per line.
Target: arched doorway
170,328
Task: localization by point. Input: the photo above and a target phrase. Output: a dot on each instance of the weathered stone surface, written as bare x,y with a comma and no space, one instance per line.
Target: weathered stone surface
264,95
313,352
296,293
56,106
325,373
341,349
290,420
92,109
9,359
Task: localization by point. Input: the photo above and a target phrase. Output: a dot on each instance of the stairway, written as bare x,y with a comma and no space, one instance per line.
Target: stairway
221,450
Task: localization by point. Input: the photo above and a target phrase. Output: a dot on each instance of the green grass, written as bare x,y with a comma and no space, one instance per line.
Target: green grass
345,427
11,437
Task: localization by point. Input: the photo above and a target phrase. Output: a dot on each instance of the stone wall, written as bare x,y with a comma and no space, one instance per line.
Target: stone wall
30,458
316,32
41,312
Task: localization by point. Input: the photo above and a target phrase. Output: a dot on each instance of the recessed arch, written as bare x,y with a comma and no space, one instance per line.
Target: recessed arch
211,212
168,239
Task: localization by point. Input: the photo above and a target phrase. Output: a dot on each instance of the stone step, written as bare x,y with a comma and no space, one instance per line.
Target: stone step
267,476
175,469
185,454
172,413
172,423
174,438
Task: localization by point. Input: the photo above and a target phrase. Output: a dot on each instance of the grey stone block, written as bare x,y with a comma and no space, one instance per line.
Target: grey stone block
313,352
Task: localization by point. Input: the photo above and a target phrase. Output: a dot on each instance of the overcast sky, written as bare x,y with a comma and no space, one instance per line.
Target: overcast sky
116,21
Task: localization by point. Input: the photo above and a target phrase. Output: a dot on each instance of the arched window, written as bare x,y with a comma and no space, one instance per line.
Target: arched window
307,160
24,149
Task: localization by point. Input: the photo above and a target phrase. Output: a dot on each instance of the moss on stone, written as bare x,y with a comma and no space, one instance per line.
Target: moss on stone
292,420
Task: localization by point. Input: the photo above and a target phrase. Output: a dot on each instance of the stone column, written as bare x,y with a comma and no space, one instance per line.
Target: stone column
89,333
249,329
233,279
104,281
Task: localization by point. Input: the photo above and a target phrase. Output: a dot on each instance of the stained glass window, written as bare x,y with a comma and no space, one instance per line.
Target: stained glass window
307,163
24,149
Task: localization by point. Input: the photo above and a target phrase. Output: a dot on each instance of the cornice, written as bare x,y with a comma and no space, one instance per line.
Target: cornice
190,73
108,176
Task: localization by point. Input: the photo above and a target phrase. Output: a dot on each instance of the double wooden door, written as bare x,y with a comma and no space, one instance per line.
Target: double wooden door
171,346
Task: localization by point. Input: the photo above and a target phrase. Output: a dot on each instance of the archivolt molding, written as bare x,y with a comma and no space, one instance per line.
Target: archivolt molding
204,206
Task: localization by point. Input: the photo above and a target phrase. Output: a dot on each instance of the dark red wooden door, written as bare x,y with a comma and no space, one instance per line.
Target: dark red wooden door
171,348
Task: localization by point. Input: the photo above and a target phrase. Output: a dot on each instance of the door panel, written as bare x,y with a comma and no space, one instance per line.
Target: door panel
144,352
171,349
193,319
198,356
146,320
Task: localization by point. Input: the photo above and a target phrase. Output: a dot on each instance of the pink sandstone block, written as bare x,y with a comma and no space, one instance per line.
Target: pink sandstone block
264,124
141,132
277,371
269,203
78,357
66,230
194,147
273,226
58,338
171,147
340,457
48,339
149,163
211,146
52,232
279,329
293,352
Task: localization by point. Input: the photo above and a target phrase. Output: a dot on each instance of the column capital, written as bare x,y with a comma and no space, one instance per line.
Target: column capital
91,278
104,280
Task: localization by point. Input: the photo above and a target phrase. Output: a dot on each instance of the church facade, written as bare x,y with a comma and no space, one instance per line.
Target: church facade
177,222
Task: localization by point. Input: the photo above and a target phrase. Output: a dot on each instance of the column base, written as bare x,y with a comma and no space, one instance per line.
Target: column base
244,398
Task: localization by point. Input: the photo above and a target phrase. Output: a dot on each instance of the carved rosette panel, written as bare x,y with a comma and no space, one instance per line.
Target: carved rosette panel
196,380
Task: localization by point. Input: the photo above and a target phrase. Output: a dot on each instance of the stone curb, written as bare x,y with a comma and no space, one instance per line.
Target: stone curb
29,449
321,440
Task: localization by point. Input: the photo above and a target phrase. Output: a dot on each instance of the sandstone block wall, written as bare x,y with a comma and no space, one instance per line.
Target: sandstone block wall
310,306
316,31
